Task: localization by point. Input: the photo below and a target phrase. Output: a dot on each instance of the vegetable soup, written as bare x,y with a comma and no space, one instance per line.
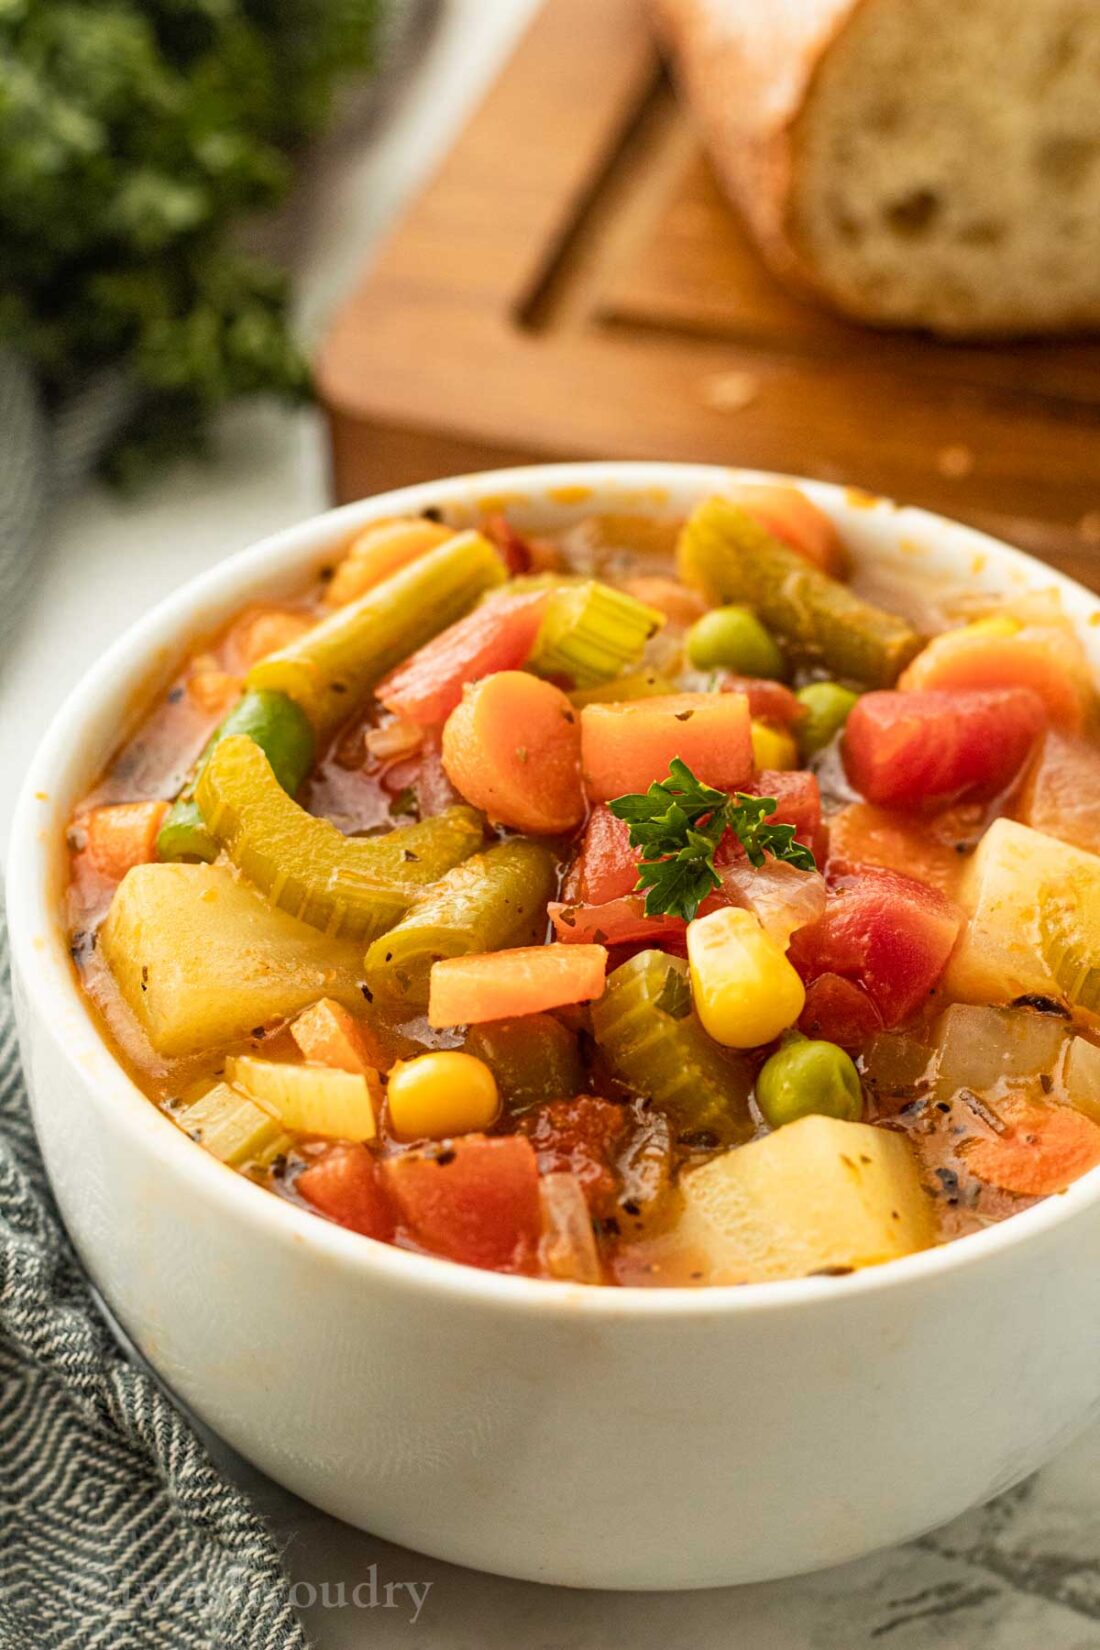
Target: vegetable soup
642,906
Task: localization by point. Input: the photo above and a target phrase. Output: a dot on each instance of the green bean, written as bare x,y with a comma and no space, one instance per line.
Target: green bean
492,901
355,886
533,1059
821,621
646,1026
330,669
286,739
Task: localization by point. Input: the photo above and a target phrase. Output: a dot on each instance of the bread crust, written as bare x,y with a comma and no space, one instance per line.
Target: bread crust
748,68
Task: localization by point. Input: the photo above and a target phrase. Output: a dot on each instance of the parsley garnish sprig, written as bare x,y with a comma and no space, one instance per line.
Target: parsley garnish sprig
678,824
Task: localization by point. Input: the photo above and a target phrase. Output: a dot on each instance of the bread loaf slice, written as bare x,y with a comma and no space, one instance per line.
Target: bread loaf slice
926,163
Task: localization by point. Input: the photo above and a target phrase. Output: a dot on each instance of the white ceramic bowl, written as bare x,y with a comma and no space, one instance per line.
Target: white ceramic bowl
591,1437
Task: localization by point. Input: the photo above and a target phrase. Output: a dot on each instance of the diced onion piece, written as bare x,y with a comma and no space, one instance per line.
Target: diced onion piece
233,1128
780,895
312,1099
394,739
893,1064
568,1247
982,1048
1081,1077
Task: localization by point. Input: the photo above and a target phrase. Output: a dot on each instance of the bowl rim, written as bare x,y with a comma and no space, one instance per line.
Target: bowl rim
48,982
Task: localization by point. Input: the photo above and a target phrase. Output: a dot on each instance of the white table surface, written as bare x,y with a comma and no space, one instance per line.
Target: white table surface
1022,1574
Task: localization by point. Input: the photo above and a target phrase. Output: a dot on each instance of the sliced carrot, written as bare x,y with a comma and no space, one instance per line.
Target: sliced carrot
679,603
787,514
626,747
262,631
122,835
502,985
379,550
498,635
996,654
327,1035
512,748
1044,1149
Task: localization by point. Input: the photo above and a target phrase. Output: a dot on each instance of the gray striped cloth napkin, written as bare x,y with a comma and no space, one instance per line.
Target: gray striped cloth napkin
116,1530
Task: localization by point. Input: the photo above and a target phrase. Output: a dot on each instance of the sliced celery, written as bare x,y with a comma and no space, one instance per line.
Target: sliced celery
494,900
354,886
725,552
283,734
1069,926
331,668
591,633
233,1128
342,1105
646,1026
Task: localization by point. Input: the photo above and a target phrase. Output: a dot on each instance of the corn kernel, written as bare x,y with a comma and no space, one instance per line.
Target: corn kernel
438,1095
745,990
772,748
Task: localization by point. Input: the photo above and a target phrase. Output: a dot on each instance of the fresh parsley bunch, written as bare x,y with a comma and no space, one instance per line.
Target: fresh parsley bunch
135,135
679,822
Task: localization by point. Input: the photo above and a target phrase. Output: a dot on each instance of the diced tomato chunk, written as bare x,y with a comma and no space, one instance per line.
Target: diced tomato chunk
498,635
797,797
840,1011
902,749
345,1185
582,1136
770,701
889,934
797,802
931,848
473,1199
605,866
616,922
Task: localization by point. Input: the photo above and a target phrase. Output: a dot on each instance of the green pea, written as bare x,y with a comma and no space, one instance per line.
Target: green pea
804,1077
732,638
825,710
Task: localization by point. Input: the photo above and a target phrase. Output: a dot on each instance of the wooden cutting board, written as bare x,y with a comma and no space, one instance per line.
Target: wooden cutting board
572,284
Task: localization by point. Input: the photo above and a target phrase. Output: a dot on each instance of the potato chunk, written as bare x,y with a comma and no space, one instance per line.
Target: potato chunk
201,957
814,1195
1012,876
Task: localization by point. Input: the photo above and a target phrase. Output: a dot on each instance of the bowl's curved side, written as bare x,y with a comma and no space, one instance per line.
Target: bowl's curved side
593,1438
